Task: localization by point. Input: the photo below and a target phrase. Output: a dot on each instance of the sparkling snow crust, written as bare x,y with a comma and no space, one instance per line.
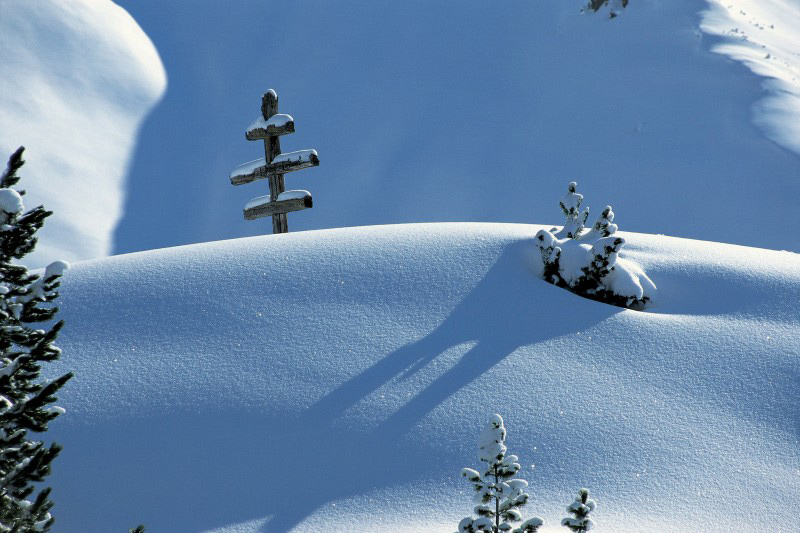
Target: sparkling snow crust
315,380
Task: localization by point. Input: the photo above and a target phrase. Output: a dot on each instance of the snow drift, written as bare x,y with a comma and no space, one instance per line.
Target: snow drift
78,79
763,34
338,380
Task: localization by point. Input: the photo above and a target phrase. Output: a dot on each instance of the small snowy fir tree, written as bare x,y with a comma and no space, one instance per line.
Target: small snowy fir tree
587,262
498,496
580,509
25,402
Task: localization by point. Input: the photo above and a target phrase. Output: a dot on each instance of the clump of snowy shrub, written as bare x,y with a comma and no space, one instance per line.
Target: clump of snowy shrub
498,496
580,509
587,262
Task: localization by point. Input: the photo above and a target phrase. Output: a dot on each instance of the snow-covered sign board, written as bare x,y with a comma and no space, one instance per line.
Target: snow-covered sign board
281,164
262,128
269,127
288,201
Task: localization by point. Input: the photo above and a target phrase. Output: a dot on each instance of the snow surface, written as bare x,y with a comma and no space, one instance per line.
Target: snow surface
56,268
247,168
11,202
293,195
257,201
299,155
638,109
250,166
765,36
285,195
275,120
315,380
77,80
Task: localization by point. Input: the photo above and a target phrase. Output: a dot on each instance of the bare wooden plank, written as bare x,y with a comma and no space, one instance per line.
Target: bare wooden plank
283,166
278,207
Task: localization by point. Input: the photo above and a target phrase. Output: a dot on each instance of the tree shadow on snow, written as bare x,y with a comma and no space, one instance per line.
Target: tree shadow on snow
502,313
217,466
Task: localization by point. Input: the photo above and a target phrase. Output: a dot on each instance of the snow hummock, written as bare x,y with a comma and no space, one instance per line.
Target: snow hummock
275,121
491,443
628,279
297,194
258,201
285,195
78,79
11,202
314,380
247,168
56,268
299,155
251,166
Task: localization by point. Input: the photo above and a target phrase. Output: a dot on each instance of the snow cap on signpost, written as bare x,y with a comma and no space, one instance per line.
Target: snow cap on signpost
269,127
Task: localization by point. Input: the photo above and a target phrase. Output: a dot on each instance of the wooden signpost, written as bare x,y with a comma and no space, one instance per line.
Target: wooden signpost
269,127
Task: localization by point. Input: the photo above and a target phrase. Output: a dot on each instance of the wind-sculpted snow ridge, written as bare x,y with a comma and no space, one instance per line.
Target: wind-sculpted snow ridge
323,380
77,80
764,35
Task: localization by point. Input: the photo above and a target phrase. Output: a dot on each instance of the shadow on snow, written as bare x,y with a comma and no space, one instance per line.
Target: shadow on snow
210,468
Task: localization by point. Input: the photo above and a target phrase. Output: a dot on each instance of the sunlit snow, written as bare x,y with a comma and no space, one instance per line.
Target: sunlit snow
764,35
316,380
77,80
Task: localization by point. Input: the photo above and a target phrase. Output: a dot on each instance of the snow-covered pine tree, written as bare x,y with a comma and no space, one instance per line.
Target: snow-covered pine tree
570,205
587,262
580,509
25,401
499,497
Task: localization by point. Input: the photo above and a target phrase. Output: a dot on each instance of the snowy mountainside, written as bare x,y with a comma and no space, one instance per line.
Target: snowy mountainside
338,380
78,79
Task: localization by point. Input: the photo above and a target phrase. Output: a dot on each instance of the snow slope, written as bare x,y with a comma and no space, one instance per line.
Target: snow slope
468,110
338,381
77,80
764,35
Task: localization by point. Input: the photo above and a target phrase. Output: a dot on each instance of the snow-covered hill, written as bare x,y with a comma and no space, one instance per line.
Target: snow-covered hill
77,80
338,380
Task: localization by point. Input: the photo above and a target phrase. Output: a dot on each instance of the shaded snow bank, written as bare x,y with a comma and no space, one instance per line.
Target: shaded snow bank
764,35
78,79
316,380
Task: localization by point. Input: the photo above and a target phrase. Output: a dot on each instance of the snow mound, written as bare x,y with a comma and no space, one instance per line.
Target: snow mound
78,79
316,380
11,201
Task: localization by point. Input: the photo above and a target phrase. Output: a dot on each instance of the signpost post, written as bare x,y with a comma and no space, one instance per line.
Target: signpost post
269,127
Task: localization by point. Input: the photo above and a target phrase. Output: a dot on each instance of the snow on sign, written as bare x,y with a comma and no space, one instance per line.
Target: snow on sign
281,164
269,127
263,206
262,128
